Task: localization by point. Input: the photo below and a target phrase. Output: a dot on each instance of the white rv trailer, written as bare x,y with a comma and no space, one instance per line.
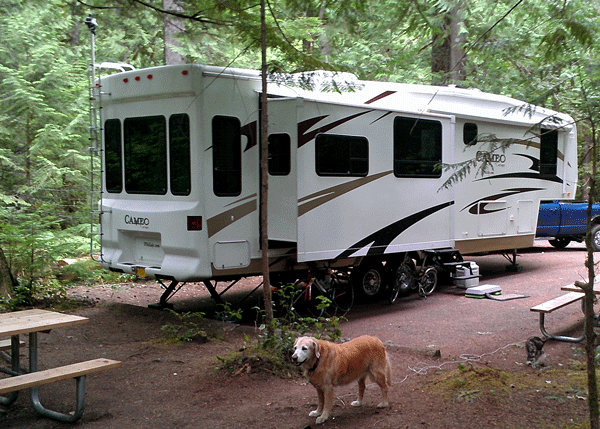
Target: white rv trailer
352,175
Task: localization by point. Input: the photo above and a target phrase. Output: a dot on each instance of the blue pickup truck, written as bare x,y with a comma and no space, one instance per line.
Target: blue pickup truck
561,222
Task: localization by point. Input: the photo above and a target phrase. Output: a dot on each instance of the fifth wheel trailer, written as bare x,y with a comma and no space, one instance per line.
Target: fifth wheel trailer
354,176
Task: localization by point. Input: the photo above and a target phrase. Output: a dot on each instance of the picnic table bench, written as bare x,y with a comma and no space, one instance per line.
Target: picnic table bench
574,294
31,322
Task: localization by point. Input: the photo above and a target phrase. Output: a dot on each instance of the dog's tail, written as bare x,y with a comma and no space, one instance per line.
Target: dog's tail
388,371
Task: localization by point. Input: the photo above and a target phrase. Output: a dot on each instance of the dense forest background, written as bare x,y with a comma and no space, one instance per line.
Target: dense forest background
545,52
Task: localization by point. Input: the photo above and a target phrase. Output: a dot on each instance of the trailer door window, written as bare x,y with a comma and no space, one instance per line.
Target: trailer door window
548,152
145,144
113,163
179,154
227,156
338,155
279,154
417,147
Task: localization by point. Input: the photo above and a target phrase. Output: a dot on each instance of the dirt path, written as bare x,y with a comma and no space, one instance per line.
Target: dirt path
479,381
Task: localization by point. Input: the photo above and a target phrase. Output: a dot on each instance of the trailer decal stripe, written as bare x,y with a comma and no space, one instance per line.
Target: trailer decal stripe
382,239
241,199
226,218
381,117
526,175
304,136
476,209
312,201
249,130
380,96
535,167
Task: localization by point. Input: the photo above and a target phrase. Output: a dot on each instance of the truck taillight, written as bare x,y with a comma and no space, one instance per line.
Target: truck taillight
194,223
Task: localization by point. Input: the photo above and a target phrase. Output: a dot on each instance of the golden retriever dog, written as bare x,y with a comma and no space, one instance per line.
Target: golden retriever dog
327,364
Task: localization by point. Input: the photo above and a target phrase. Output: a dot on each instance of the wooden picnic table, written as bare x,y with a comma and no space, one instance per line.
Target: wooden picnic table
573,288
32,322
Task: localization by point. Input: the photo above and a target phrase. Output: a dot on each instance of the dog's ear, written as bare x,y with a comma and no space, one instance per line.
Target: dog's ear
316,347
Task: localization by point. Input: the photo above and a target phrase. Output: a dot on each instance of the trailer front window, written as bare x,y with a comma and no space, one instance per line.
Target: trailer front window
112,156
548,152
469,133
279,154
179,154
145,146
417,147
227,156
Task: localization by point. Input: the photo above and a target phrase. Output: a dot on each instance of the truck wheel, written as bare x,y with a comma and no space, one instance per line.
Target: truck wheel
368,279
596,237
559,243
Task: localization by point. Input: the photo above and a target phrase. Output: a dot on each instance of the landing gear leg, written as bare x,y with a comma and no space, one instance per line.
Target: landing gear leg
512,258
168,293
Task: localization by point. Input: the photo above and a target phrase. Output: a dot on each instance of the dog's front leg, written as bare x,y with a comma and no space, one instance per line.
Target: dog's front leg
327,404
319,409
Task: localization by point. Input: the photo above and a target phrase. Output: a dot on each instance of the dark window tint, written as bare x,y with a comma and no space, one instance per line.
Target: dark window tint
548,152
417,147
279,154
113,163
227,156
145,155
470,133
338,155
179,153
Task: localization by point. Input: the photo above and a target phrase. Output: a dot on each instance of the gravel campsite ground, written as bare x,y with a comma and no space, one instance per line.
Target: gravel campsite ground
458,362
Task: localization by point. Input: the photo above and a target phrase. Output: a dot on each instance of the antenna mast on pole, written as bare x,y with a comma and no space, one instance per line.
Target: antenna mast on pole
94,90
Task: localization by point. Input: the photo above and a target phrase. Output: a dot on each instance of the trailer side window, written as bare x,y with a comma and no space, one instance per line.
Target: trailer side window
279,154
417,147
113,162
227,156
470,133
179,154
145,143
548,152
338,155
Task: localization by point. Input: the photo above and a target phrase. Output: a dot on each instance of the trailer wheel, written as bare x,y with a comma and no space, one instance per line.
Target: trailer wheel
596,237
368,279
559,243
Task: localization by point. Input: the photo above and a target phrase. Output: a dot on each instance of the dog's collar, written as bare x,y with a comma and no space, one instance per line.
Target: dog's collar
314,367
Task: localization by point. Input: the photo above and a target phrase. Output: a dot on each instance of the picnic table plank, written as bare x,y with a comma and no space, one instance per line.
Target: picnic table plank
558,302
38,378
573,288
35,320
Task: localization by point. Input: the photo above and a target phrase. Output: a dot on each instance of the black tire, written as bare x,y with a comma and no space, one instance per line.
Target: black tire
560,243
595,231
368,279
403,279
428,281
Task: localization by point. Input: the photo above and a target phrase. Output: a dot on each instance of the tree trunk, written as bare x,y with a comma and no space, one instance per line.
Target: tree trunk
264,183
447,53
590,335
586,166
6,279
172,26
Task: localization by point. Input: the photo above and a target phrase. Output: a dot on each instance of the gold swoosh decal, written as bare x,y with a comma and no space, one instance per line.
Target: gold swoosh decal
224,219
310,202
